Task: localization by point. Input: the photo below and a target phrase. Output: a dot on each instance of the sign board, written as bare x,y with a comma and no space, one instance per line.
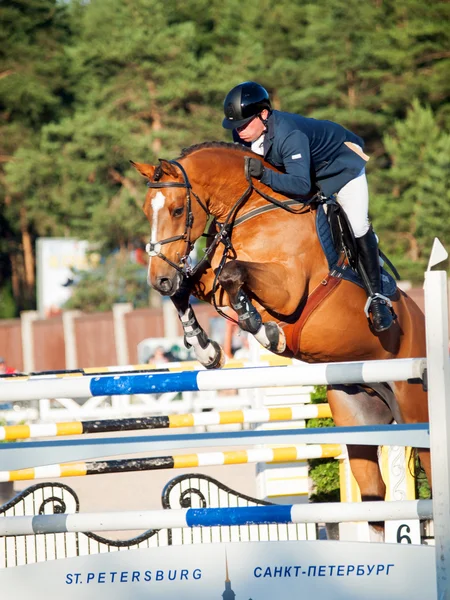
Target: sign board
252,570
55,258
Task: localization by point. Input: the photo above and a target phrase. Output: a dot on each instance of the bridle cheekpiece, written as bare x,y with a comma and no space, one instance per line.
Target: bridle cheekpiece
154,248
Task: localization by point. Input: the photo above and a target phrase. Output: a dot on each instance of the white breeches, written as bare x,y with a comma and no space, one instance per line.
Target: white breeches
354,199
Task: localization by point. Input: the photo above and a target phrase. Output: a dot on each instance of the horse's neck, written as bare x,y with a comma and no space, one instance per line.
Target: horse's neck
224,198
222,180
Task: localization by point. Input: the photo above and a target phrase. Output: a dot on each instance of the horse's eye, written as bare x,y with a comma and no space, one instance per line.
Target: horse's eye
178,211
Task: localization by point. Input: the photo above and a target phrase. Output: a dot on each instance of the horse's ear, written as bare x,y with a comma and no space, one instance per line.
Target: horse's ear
168,168
145,170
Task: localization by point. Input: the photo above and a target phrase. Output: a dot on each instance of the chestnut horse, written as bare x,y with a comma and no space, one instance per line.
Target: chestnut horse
266,262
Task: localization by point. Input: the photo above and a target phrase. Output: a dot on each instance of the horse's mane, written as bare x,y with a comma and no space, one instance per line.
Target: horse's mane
204,145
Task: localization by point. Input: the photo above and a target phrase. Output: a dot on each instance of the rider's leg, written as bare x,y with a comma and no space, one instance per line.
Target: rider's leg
354,199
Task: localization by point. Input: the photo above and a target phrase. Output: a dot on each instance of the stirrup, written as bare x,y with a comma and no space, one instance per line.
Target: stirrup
370,299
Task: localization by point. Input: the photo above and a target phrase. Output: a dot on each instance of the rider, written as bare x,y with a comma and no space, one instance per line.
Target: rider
311,154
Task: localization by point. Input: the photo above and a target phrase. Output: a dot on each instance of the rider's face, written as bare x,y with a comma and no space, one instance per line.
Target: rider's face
252,130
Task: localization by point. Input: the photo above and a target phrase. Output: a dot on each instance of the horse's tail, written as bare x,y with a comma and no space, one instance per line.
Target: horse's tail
416,470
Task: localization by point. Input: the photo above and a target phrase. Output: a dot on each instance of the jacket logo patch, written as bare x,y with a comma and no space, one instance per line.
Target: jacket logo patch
294,156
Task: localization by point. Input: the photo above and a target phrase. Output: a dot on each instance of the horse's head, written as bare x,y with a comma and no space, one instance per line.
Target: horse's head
177,217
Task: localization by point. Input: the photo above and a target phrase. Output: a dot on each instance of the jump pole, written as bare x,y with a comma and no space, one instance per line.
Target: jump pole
188,365
335,512
230,417
287,454
251,377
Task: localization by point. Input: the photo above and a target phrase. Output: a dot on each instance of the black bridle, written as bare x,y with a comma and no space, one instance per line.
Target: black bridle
154,248
223,235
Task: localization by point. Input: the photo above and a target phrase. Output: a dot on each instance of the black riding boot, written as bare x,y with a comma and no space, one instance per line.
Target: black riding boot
382,316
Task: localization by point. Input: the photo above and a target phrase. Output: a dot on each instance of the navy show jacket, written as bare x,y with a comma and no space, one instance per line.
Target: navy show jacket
310,153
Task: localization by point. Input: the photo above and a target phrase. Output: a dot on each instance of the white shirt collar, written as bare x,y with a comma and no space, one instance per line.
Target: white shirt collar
258,145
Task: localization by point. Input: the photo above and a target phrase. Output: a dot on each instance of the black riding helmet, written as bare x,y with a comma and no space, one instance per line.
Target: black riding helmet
244,102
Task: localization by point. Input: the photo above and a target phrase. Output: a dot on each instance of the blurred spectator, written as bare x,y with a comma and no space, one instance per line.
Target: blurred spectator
4,369
159,357
242,352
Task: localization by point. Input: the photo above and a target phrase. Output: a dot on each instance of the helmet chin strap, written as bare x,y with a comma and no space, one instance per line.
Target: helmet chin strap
264,121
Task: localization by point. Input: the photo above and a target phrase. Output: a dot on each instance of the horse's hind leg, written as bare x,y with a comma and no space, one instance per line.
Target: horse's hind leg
350,406
208,352
413,406
233,277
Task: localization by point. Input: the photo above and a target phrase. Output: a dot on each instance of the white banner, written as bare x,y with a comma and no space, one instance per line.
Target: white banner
259,570
55,258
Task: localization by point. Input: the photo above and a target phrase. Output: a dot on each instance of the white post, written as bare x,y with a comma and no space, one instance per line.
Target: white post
120,332
26,324
171,319
438,368
70,341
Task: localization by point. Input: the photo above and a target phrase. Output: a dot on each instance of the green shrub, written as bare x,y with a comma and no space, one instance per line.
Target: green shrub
324,472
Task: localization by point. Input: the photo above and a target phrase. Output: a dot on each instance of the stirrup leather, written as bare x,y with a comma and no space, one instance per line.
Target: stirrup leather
370,299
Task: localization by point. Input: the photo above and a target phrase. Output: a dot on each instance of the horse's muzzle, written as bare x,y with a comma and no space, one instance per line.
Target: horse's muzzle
168,286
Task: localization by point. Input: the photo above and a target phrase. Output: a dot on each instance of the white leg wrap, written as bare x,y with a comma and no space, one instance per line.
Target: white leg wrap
205,355
262,338
376,535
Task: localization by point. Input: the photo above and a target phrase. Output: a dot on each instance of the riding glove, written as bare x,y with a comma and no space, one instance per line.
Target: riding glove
255,168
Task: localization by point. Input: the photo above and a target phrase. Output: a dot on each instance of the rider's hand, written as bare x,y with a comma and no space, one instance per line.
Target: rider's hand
255,168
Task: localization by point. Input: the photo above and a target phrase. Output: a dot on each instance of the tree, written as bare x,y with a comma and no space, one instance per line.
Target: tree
33,91
115,280
86,86
411,201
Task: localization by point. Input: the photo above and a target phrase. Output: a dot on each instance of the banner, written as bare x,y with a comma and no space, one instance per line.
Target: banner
322,570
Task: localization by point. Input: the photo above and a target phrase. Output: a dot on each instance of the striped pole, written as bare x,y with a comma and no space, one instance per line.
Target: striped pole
189,365
253,377
182,461
265,415
334,512
42,452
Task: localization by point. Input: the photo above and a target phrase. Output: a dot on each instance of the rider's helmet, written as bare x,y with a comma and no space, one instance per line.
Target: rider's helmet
244,102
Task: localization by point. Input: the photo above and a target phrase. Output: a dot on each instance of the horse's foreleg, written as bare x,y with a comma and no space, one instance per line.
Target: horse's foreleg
232,279
208,352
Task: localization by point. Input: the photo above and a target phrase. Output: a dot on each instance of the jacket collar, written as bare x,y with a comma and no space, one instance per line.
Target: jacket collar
268,140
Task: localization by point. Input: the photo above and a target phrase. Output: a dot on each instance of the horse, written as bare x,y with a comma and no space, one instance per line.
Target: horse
264,260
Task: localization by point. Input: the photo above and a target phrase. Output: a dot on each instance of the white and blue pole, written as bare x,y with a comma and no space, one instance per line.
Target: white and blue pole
216,517
408,369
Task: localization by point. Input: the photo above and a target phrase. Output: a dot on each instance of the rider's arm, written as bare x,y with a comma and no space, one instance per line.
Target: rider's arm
297,163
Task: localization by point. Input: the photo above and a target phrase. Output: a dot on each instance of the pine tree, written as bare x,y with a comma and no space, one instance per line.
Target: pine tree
410,205
33,91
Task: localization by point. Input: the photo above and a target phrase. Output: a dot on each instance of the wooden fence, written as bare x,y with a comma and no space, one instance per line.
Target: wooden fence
76,340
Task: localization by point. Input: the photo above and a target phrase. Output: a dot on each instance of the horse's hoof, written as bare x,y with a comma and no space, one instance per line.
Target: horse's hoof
272,337
219,359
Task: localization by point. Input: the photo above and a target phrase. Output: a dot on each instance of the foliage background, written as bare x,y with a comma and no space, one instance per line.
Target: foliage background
324,472
86,85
